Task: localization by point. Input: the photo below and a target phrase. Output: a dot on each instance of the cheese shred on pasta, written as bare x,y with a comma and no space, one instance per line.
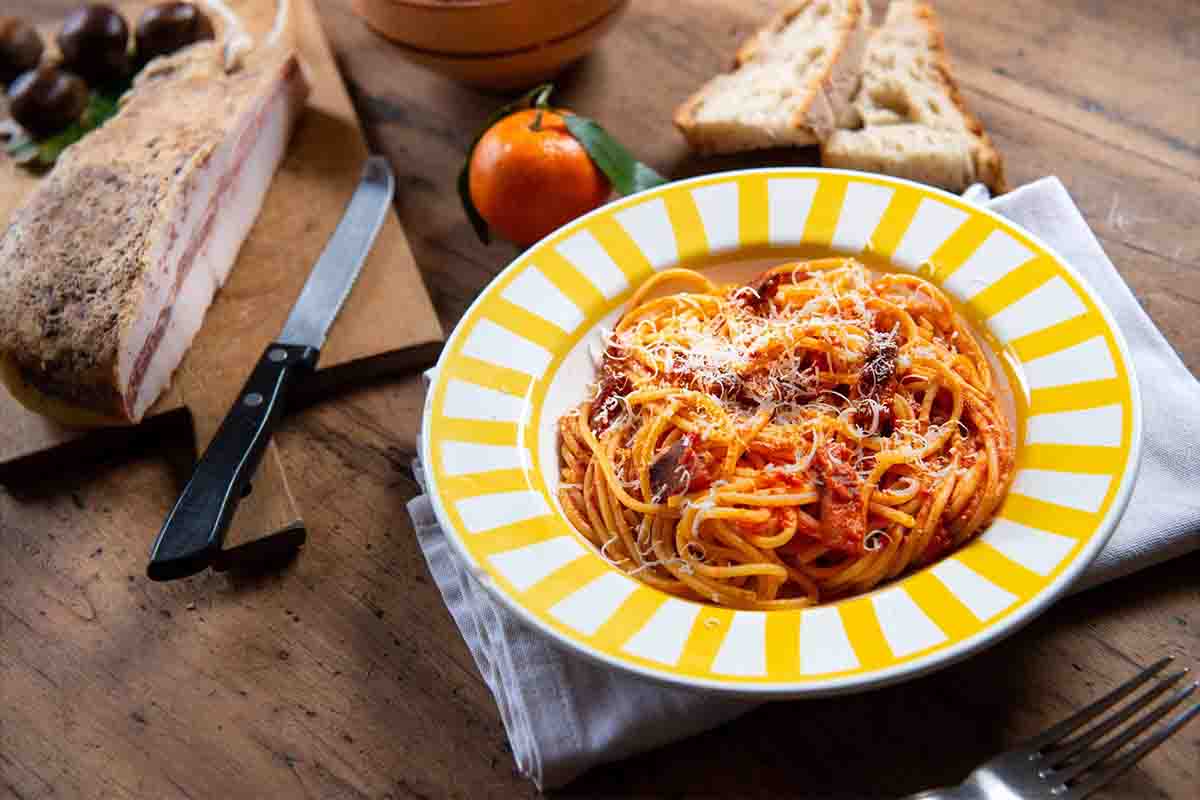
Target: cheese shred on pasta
797,439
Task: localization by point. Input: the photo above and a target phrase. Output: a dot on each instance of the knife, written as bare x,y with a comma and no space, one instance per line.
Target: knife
194,531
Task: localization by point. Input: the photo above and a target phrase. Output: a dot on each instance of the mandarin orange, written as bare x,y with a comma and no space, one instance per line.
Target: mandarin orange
529,176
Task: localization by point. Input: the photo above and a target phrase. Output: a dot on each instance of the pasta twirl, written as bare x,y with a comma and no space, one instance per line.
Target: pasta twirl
800,438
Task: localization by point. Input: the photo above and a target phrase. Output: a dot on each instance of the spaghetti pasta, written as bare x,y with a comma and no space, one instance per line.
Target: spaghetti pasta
800,438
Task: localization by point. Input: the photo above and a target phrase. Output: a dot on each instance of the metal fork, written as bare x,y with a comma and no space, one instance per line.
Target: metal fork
1063,764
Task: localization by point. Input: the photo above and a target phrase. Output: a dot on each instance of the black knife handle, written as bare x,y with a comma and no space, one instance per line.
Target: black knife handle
194,531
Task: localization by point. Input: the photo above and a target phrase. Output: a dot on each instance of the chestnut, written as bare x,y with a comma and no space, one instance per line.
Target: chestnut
47,99
94,42
20,48
167,27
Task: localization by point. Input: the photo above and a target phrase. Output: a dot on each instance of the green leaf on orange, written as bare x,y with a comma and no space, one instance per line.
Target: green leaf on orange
626,173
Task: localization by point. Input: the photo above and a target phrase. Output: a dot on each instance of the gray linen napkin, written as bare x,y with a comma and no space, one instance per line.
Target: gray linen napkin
564,714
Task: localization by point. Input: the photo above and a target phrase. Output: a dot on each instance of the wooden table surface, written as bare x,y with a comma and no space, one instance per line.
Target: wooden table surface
343,677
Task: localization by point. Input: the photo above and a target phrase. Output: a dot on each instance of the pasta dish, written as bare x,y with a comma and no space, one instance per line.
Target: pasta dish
800,438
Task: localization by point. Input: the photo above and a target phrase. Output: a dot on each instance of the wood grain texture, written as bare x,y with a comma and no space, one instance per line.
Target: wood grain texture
343,677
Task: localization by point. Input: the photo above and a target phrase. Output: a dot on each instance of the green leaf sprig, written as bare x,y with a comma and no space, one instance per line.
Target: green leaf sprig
626,174
41,155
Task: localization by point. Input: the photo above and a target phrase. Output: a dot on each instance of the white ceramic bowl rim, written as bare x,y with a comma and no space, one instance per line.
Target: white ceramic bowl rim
907,670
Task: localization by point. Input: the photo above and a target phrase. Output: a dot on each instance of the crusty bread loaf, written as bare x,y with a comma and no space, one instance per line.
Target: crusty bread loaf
791,83
914,122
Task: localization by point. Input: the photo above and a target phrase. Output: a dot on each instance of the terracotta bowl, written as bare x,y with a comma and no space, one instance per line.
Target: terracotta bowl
496,44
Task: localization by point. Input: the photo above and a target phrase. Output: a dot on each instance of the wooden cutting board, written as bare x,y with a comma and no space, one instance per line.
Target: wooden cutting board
388,323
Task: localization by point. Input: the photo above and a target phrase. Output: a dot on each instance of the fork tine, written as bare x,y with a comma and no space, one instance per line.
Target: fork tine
1072,722
1105,776
1068,749
1117,742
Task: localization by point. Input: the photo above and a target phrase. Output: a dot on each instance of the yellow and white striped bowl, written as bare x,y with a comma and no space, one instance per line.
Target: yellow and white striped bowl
507,372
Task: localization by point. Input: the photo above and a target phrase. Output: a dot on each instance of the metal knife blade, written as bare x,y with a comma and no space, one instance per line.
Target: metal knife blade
337,268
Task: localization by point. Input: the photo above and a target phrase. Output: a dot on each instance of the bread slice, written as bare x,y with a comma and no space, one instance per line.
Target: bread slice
914,122
791,84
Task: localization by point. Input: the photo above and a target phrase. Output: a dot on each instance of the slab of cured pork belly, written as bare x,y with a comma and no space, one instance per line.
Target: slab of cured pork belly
107,269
